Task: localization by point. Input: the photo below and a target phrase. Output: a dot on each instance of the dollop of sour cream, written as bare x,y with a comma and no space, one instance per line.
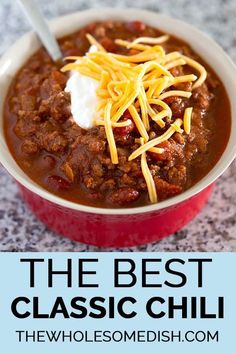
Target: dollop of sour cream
84,99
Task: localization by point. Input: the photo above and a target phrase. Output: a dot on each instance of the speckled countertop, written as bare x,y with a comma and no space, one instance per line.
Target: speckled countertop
215,228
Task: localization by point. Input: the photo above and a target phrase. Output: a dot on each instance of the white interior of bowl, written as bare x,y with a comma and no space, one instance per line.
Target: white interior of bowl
16,56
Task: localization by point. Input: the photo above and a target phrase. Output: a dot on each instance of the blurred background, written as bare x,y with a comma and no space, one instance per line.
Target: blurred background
215,228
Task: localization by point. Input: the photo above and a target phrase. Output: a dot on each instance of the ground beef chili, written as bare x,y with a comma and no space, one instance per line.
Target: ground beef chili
75,164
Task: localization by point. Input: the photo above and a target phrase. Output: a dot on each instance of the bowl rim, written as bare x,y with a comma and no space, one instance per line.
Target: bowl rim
61,26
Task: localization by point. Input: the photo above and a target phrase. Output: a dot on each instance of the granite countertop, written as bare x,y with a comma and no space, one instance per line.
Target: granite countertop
215,227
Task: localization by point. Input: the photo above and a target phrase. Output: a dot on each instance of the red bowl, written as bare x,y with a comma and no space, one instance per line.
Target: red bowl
115,230
118,227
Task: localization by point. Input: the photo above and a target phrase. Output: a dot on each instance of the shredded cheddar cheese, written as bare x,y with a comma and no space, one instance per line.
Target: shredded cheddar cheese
150,144
126,44
93,41
175,93
187,119
148,177
109,132
139,83
123,124
149,40
199,68
171,64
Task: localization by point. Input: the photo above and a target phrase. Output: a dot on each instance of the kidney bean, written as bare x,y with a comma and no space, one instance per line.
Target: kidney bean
108,44
177,105
125,130
136,26
123,196
48,162
58,183
165,155
124,140
72,52
127,114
